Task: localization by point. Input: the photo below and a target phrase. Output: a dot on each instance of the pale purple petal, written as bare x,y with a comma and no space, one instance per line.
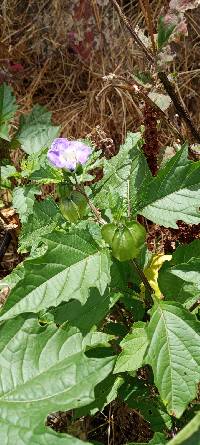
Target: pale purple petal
68,154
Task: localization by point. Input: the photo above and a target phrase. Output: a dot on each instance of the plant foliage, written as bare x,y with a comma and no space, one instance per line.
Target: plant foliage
81,325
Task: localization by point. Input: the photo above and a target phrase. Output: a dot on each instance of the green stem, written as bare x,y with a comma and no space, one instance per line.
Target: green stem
91,205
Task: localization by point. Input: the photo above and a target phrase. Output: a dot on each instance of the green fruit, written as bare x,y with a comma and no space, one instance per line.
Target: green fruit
73,207
138,232
64,190
108,231
125,240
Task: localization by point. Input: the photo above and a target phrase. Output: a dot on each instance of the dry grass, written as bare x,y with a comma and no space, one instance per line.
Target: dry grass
34,33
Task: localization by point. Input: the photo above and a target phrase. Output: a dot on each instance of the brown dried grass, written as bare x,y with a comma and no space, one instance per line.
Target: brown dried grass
34,33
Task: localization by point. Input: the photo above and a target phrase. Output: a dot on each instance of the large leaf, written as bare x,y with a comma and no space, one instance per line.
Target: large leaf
35,130
23,200
179,279
124,174
44,219
190,435
174,194
8,108
43,370
133,347
174,354
71,266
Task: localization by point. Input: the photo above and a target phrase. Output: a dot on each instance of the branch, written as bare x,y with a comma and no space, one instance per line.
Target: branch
161,74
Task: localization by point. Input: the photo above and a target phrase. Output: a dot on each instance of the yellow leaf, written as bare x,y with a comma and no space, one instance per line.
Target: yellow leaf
151,273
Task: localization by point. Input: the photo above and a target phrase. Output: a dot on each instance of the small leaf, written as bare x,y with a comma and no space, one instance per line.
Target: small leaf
163,101
23,200
35,130
119,171
7,171
71,266
179,279
133,347
165,30
8,108
174,354
174,193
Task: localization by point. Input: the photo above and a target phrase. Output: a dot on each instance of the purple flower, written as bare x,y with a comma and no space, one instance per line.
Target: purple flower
68,154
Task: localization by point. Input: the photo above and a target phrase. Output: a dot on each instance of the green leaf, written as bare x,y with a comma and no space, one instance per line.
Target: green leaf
23,200
179,279
14,277
163,101
8,108
43,370
174,354
71,266
133,347
124,174
47,174
44,219
7,171
85,317
35,130
165,30
37,167
38,436
189,435
105,392
158,439
174,193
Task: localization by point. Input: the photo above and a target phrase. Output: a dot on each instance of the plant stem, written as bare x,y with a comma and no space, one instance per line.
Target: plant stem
195,305
149,290
91,205
148,17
